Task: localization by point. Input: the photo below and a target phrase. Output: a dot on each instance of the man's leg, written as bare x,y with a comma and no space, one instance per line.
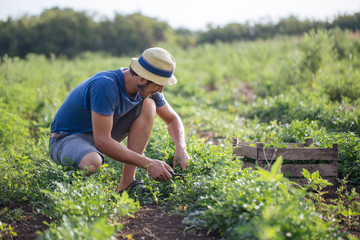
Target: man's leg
76,150
138,138
91,162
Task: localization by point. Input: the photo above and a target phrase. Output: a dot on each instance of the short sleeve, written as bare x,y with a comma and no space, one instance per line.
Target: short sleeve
159,99
103,96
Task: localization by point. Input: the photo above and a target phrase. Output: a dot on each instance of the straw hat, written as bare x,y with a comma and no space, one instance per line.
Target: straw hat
157,65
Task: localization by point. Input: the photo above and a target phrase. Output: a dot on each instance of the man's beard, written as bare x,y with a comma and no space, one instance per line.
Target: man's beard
142,88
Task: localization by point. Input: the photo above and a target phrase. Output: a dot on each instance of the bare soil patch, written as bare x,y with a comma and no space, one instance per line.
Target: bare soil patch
152,222
24,221
210,137
247,91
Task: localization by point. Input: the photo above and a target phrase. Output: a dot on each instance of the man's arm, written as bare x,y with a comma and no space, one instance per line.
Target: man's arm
177,133
102,126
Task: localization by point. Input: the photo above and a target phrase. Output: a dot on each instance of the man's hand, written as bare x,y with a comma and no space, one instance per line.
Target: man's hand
159,170
181,158
176,131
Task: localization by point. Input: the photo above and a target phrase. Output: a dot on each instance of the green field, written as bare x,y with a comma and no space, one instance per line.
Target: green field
273,91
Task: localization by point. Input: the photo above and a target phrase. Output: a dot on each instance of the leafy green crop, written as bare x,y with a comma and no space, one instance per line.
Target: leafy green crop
282,90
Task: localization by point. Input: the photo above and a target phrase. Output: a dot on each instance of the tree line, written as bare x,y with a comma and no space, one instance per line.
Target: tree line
287,26
65,32
69,33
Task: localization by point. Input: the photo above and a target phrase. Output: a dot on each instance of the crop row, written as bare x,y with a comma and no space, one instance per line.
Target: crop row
269,91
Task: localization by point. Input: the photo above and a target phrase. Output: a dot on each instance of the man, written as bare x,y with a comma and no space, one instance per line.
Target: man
112,105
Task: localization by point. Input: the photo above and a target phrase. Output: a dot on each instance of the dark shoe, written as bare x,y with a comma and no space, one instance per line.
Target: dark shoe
137,184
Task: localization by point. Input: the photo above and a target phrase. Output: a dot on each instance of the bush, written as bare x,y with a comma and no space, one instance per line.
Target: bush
286,108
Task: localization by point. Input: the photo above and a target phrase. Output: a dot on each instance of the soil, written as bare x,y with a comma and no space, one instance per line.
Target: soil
151,223
210,137
26,223
247,92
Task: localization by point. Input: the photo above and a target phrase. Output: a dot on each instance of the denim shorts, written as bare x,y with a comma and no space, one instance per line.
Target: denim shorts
69,149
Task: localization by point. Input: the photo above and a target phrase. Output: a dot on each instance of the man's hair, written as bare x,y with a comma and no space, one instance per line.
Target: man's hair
133,72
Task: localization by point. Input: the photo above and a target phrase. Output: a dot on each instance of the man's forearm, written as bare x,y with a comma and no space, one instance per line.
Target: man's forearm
177,133
118,152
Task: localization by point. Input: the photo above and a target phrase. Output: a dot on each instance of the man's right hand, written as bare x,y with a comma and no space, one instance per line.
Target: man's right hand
159,170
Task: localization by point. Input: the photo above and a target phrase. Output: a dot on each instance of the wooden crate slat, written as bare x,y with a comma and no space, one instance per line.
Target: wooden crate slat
289,145
293,152
295,170
246,151
328,154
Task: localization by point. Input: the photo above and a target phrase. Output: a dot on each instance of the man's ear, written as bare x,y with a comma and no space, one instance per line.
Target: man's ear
143,81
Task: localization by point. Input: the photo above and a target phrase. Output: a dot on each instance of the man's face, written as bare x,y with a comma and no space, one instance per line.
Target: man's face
149,88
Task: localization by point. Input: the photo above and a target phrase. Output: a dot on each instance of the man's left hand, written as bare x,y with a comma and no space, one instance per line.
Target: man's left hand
181,157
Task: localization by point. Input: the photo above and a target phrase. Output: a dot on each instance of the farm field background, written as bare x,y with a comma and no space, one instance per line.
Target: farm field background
280,90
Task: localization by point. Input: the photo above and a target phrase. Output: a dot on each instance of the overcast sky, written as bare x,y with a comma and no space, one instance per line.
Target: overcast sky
192,14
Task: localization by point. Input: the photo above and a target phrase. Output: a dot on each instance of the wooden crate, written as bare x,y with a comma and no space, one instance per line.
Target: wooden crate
324,160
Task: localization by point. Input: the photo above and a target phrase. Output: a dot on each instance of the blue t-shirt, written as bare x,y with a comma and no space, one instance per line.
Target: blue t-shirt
104,93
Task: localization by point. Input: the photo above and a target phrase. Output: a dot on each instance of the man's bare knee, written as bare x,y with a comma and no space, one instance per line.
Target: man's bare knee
148,108
91,162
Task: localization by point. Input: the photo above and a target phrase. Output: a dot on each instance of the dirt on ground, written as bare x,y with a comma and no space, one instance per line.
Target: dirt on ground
152,222
24,220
